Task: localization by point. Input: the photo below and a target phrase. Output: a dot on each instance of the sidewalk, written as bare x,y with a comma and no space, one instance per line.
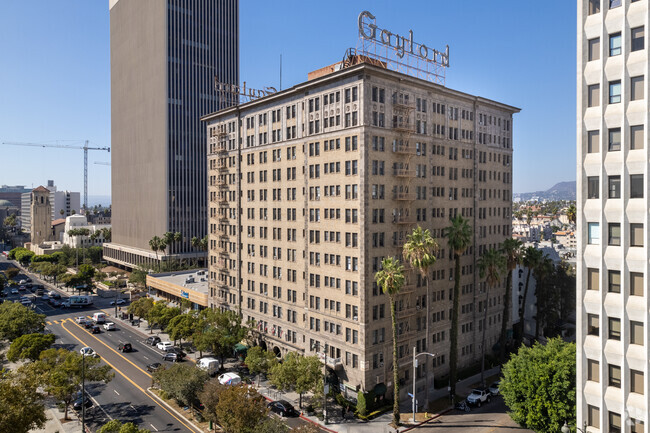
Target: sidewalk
54,421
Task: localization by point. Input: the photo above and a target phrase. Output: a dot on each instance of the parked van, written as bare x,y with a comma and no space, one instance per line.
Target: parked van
229,379
211,365
99,317
80,301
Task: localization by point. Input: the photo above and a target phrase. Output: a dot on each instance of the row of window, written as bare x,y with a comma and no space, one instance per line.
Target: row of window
636,139
613,418
637,43
614,281
636,186
614,234
637,85
614,329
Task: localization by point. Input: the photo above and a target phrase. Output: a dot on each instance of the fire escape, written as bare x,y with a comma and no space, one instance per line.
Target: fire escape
220,247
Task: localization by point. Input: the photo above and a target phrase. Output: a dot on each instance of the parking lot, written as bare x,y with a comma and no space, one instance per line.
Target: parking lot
489,418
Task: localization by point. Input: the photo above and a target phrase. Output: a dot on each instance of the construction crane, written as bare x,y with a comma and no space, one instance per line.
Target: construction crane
85,148
102,163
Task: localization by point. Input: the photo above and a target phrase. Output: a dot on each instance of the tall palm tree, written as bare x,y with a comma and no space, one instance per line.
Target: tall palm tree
542,271
459,238
391,279
157,244
491,266
195,242
531,259
512,250
571,213
419,250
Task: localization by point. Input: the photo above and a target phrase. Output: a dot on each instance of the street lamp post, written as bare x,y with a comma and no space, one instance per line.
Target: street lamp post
566,429
415,365
83,392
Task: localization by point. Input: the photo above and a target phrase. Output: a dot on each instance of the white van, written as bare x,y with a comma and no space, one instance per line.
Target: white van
229,379
211,365
99,318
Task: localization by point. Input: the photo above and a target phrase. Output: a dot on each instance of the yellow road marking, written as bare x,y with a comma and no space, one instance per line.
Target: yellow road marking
130,381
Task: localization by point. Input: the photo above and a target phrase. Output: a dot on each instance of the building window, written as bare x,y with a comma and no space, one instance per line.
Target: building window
636,88
636,137
614,281
593,233
594,49
593,372
593,279
614,3
636,235
614,422
636,333
594,7
614,139
636,426
592,187
614,92
614,186
636,284
593,141
636,186
593,327
593,416
615,44
614,234
593,92
614,376
614,331
638,34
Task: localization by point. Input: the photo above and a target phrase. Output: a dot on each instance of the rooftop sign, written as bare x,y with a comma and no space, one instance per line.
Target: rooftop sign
402,45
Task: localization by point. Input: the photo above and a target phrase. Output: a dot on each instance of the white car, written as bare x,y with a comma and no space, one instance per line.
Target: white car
119,302
88,351
109,326
478,397
80,320
164,345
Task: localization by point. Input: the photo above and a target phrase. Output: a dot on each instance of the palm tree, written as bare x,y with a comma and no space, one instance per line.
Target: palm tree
61,212
543,269
196,243
532,258
419,250
157,244
459,238
571,213
512,250
491,266
391,279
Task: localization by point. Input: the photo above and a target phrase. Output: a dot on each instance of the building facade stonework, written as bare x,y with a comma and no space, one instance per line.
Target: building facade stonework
41,215
310,188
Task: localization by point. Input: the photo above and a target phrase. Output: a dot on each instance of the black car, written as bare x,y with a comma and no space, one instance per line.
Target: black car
177,351
152,368
282,408
88,324
77,403
126,347
96,330
56,303
153,340
173,357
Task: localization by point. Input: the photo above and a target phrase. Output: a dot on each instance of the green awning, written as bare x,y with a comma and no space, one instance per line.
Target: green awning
240,348
380,389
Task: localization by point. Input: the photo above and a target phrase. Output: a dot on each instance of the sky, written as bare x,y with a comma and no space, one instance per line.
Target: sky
55,73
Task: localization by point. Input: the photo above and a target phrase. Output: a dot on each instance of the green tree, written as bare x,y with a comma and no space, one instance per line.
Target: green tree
61,372
10,221
223,333
196,243
420,252
209,397
539,385
29,346
17,320
21,402
182,382
12,272
571,213
512,250
116,426
459,238
181,327
273,425
284,375
24,256
157,244
531,260
296,372
138,277
161,314
491,266
391,280
240,410
86,274
260,361
141,307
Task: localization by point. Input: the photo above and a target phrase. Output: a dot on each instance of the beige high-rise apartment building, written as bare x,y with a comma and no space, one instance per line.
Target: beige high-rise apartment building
612,174
311,187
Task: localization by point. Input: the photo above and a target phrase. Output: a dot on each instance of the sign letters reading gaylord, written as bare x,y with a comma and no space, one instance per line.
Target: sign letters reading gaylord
401,44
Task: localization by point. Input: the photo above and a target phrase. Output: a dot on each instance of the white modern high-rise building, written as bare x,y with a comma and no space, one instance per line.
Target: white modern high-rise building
612,172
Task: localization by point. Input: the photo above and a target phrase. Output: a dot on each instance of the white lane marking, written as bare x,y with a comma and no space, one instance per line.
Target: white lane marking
145,357
100,406
115,391
153,427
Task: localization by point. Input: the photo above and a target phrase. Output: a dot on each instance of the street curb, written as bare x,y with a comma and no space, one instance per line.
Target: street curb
449,409
304,418
153,394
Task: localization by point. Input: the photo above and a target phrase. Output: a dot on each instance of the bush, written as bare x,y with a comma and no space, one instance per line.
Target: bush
362,408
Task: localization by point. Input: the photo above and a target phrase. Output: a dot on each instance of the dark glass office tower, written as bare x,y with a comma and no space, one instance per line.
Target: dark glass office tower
164,57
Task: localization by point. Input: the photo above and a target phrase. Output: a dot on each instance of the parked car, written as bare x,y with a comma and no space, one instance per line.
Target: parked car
163,345
56,303
78,403
229,379
26,302
171,356
152,341
45,297
494,388
80,320
65,304
88,351
89,324
109,326
95,329
119,302
478,397
282,408
152,368
14,291
177,351
126,347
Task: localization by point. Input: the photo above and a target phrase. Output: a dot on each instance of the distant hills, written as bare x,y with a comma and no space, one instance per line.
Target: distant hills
559,191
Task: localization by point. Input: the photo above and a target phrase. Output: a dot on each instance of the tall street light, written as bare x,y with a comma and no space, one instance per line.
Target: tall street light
415,366
83,392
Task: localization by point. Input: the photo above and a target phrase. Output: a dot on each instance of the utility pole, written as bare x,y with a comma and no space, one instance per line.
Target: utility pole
83,393
415,366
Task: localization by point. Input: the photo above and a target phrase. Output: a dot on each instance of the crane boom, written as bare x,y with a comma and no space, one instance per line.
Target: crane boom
85,148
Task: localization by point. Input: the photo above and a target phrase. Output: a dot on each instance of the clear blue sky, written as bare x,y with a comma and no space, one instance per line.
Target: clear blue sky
55,72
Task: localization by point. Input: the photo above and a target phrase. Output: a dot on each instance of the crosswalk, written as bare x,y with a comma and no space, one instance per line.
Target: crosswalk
62,321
